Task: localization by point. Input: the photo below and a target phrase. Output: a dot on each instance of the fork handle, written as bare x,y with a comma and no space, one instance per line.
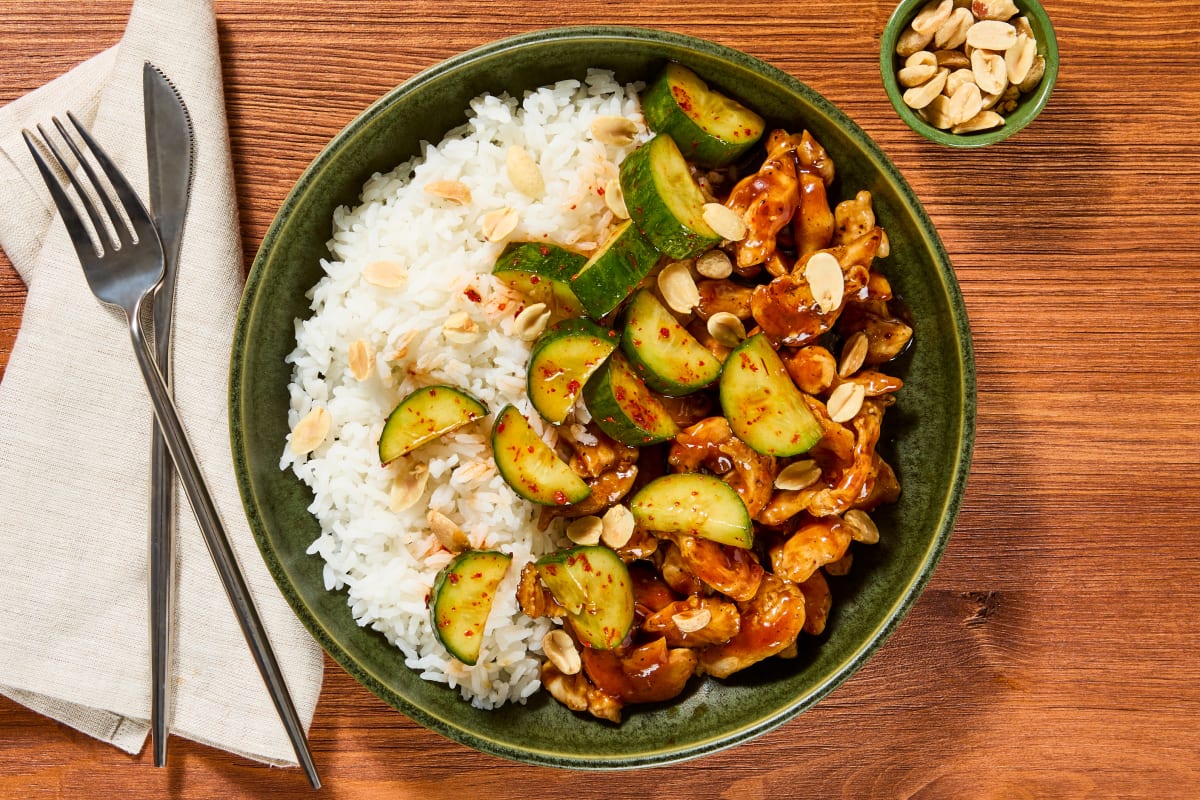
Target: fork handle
219,547
162,596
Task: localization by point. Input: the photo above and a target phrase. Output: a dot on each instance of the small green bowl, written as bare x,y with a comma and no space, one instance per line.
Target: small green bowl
1029,107
928,433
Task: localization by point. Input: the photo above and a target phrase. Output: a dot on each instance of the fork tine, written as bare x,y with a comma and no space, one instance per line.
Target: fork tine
143,226
74,224
118,224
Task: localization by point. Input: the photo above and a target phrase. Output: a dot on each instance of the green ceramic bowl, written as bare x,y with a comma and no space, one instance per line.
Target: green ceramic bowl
929,432
1030,105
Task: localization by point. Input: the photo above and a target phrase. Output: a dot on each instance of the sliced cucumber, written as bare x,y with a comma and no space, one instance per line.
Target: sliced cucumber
423,416
542,272
624,408
593,585
664,199
711,129
662,352
530,466
614,271
694,503
462,599
762,404
562,360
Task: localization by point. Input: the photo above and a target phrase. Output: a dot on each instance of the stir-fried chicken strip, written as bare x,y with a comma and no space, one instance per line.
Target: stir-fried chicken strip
818,601
724,295
649,673
812,546
695,622
710,443
534,598
812,227
813,369
608,467
732,571
766,201
771,621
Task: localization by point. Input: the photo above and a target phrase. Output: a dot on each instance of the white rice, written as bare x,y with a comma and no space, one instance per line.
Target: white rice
386,560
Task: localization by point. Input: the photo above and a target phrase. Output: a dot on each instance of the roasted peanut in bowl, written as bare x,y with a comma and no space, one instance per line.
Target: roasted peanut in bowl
967,73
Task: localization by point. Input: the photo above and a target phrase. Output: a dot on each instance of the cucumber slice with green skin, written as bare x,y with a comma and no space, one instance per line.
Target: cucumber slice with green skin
542,272
530,466
696,504
614,271
624,408
664,200
593,585
423,416
562,360
763,405
662,352
462,598
712,130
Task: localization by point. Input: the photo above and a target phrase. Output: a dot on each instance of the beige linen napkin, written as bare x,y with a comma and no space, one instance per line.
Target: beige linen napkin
75,434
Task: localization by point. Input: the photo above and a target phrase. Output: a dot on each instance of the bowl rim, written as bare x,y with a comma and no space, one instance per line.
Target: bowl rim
1028,110
840,672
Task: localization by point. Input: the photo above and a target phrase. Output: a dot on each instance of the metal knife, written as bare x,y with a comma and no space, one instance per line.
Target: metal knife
169,153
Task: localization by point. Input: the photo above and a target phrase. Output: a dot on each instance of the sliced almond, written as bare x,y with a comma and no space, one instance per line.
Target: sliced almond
726,328
862,527
994,9
407,488
532,320
991,34
614,198
885,245
619,131
692,620
385,274
854,354
1036,71
964,104
991,75
448,534
921,96
715,264
932,15
724,221
456,191
585,530
618,524
310,431
498,224
798,475
825,281
1018,59
911,41
983,121
459,328
561,652
361,359
678,288
953,32
846,401
524,173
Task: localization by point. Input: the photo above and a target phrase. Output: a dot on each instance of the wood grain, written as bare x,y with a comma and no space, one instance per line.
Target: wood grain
1054,654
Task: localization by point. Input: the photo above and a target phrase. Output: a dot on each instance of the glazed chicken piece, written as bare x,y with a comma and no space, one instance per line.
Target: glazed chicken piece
711,444
577,694
649,673
887,336
875,383
608,467
695,622
814,159
812,546
676,574
687,410
651,593
732,571
813,225
771,621
813,368
853,218
818,600
534,598
766,202
724,295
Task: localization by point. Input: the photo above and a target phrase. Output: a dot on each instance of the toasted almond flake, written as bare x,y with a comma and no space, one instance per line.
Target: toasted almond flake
447,532
310,431
385,274
559,648
678,288
825,281
841,566
885,246
498,224
361,359
854,353
459,328
846,401
618,525
524,173
932,16
585,530
614,130
991,34
726,328
715,264
407,488
532,320
692,620
456,191
614,198
798,475
724,221
862,527
1018,59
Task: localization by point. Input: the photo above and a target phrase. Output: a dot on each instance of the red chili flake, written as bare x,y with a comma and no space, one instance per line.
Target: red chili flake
544,250
664,332
472,295
560,498
535,280
573,386
454,577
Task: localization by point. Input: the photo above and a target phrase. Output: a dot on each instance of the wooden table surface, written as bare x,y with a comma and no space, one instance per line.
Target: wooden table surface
1055,653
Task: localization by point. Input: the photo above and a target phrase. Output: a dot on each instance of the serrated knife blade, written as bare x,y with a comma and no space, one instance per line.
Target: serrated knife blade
169,153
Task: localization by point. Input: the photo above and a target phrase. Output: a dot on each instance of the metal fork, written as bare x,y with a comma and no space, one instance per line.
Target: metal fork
124,272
